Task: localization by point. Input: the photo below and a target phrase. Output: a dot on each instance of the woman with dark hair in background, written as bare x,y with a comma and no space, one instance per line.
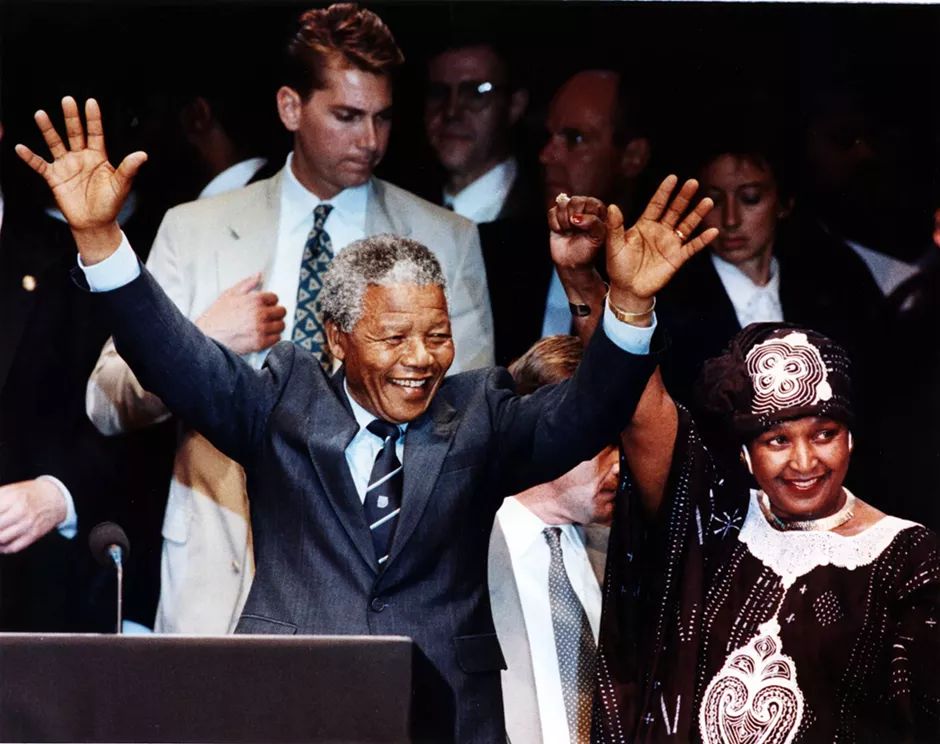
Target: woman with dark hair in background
767,265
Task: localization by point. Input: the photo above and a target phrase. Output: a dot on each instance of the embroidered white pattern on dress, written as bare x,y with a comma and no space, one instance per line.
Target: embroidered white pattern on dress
755,696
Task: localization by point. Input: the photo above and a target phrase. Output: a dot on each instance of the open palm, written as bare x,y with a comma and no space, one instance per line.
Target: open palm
644,258
87,189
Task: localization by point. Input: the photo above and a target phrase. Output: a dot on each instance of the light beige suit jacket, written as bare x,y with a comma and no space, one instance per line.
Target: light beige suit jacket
202,249
520,699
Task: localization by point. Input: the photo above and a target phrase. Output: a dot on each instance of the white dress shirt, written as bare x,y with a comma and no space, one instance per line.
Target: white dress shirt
345,223
889,272
531,557
483,200
557,318
752,302
365,446
233,177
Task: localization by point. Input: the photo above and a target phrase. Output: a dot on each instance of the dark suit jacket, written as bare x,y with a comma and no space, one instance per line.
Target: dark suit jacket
289,426
50,338
518,273
50,335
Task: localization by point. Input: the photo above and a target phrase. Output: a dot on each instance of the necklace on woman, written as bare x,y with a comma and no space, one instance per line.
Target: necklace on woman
823,524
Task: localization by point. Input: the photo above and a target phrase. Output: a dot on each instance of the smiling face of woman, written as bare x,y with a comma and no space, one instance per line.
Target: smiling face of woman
800,465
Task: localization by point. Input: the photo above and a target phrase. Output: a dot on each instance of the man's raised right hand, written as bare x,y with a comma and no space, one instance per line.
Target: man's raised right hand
243,318
87,189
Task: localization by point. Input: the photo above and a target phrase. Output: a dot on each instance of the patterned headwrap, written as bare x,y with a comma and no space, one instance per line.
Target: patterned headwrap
775,372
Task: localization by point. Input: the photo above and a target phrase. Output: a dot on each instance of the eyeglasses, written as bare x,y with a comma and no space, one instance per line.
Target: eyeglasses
474,95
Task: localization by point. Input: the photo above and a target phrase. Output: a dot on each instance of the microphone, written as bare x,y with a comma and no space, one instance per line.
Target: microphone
109,545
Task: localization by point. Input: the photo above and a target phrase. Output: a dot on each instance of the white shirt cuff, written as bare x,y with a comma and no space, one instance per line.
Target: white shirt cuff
68,527
118,269
628,337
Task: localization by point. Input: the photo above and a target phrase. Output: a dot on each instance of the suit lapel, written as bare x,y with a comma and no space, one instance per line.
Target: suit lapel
336,427
251,237
426,444
380,218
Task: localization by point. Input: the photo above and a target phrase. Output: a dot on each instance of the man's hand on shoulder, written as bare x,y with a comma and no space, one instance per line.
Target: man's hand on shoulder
244,318
87,188
29,510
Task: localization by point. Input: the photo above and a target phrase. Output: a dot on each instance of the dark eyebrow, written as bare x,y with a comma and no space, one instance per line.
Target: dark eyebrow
349,110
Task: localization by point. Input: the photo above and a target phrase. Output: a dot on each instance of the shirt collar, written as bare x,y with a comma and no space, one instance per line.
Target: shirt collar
363,417
233,177
523,530
741,290
491,188
298,203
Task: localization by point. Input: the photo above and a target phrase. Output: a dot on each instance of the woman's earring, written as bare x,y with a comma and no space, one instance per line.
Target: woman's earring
746,459
851,442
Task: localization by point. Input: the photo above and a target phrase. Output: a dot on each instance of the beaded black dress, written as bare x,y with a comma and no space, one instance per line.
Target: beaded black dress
718,628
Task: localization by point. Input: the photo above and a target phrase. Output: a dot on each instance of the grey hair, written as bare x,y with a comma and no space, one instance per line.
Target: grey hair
381,260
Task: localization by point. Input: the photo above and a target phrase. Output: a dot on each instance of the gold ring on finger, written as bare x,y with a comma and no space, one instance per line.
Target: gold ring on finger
680,234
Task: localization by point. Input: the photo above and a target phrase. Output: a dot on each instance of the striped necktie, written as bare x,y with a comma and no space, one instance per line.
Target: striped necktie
383,496
309,332
574,642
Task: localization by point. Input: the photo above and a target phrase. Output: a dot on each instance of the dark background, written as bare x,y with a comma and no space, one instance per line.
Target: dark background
698,60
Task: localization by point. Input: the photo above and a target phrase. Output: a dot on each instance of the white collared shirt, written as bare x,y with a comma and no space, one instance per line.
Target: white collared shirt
483,200
365,446
752,303
346,223
530,557
889,272
233,177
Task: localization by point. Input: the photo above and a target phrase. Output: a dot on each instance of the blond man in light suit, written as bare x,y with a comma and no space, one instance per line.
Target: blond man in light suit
232,264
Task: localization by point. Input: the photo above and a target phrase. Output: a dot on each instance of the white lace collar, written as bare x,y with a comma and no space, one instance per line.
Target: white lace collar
794,554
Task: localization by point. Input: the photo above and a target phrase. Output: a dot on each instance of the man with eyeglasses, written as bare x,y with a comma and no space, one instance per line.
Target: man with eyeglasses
473,100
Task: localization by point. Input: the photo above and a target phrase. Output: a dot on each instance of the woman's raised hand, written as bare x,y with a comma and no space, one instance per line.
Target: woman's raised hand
87,189
642,260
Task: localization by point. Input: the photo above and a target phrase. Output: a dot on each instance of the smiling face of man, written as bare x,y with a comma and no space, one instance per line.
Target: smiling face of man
397,353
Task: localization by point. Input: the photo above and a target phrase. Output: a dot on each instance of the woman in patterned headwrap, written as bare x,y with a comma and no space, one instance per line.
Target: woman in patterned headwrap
755,599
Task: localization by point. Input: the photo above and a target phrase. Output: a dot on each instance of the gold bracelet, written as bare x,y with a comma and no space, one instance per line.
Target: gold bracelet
623,316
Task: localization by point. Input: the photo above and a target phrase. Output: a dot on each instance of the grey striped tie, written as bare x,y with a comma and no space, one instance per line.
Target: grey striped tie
574,642
383,496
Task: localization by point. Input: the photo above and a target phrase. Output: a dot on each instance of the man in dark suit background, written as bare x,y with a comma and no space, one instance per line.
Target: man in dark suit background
348,538
596,145
473,101
58,476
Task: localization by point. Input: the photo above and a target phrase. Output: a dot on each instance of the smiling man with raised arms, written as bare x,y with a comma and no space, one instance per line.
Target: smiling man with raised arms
374,491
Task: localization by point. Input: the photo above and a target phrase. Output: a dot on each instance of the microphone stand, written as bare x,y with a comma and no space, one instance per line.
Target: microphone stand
115,552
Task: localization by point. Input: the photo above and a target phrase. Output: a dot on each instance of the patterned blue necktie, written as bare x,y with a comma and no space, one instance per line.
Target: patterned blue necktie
383,496
309,332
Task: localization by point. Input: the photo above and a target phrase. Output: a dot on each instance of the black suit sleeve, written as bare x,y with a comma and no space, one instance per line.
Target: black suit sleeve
540,437
208,386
